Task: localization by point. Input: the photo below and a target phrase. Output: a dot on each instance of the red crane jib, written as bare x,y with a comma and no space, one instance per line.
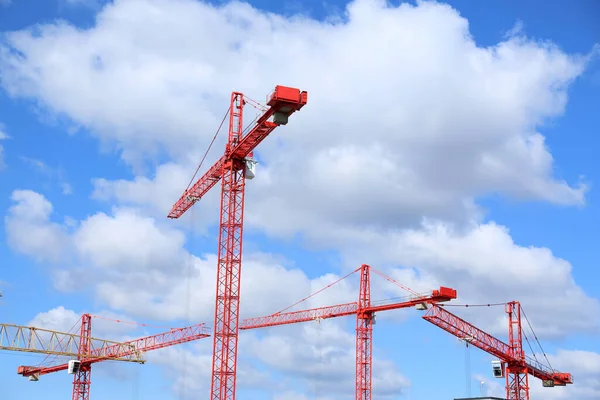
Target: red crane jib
282,102
340,310
460,328
148,343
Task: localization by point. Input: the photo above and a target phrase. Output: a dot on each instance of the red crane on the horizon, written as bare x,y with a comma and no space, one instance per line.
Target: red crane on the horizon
232,169
127,351
513,364
365,314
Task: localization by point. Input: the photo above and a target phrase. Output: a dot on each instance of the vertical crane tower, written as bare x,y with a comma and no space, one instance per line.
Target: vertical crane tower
232,169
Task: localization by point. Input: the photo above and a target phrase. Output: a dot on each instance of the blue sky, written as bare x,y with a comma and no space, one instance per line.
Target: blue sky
443,144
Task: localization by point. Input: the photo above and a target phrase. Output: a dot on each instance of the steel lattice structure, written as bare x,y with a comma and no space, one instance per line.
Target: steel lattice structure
132,350
364,337
83,378
365,314
232,169
518,365
30,339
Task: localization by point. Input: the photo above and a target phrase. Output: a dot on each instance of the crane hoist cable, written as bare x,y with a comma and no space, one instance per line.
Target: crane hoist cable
524,333
50,359
249,101
472,305
208,149
536,339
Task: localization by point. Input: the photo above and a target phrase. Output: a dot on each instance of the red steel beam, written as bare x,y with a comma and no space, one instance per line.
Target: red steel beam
154,342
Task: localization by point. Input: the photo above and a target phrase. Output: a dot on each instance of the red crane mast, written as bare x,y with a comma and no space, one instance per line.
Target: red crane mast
82,369
365,315
518,365
232,169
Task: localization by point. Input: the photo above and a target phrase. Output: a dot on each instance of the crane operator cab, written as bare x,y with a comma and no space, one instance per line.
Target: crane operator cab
250,168
74,366
498,369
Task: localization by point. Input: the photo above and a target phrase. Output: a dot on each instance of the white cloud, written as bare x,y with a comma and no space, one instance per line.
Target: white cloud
485,266
58,319
105,323
127,238
156,196
30,230
436,97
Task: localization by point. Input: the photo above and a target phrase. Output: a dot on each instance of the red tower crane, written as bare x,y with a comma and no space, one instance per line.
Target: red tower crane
513,364
365,315
127,351
232,169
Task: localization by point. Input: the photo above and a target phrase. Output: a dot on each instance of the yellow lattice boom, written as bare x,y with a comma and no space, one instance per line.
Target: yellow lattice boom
37,340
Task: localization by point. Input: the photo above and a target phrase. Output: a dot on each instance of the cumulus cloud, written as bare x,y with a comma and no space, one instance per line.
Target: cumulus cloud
105,323
30,230
58,319
485,265
436,99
